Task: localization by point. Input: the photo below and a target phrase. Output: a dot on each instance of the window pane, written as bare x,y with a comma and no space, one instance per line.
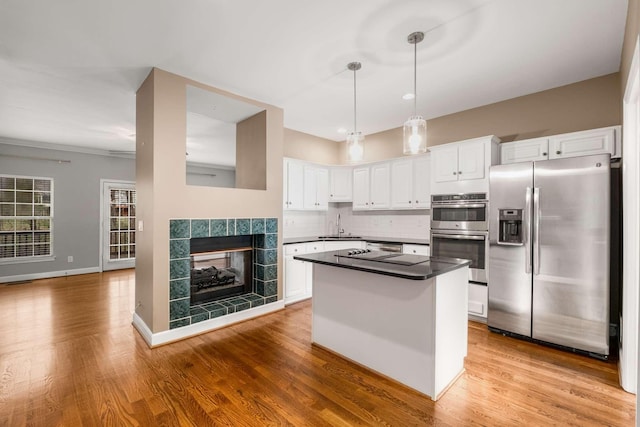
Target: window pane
6,238
124,223
7,252
124,251
132,223
7,196
7,183
132,251
41,237
7,209
41,197
132,212
24,250
42,184
41,249
24,224
124,238
114,238
133,197
113,252
24,237
43,224
24,210
113,224
24,184
114,210
24,197
7,224
132,237
41,210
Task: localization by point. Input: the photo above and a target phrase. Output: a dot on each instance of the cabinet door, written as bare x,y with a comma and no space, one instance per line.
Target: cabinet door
294,185
422,182
361,188
445,164
380,190
341,184
310,185
478,298
295,278
530,150
471,160
322,189
597,141
402,184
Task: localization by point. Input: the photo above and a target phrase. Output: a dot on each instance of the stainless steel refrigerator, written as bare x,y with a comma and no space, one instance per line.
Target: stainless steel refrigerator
549,239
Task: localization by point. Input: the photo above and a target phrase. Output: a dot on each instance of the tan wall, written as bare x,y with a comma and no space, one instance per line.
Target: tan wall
251,152
163,193
584,105
631,32
299,145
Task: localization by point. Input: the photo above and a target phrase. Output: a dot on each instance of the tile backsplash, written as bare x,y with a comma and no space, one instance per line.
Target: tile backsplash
405,223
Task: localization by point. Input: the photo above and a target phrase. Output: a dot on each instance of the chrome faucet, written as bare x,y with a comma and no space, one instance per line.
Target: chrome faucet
340,230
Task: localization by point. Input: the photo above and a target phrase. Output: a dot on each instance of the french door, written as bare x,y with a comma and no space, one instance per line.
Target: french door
118,225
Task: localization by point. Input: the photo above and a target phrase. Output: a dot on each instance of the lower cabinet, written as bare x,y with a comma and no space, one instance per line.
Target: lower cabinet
298,275
478,301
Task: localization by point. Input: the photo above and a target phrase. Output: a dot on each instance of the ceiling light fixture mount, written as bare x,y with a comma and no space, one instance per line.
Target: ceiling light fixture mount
415,128
355,139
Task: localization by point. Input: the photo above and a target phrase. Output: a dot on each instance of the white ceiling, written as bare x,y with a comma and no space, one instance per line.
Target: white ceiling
69,69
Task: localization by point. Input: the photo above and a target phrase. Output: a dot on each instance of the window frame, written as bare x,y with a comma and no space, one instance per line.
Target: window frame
31,258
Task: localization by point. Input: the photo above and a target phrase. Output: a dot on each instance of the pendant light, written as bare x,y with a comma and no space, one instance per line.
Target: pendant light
355,139
415,129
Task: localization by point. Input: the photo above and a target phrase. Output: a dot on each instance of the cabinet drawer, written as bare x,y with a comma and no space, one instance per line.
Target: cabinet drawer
313,247
416,249
296,249
478,300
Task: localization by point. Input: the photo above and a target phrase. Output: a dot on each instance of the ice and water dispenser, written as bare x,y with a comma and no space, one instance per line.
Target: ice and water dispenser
510,227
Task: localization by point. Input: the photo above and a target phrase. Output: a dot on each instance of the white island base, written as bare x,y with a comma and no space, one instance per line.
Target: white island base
412,331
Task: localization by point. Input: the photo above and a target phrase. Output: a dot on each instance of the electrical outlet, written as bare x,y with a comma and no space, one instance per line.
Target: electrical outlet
70,258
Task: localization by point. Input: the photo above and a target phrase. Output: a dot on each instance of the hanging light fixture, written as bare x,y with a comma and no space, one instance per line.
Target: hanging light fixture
415,129
355,139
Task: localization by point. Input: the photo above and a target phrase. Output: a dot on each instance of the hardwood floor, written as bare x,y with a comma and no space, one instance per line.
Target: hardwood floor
69,356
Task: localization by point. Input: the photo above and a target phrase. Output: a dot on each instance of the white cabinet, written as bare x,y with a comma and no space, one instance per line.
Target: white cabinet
410,183
583,143
298,275
380,190
478,301
463,167
596,141
361,188
316,188
341,184
416,249
530,150
293,178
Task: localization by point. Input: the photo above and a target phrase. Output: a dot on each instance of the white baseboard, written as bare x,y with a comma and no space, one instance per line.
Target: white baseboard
165,337
48,274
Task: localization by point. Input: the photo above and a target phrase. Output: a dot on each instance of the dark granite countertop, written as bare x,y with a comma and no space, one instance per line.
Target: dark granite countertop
407,240
415,267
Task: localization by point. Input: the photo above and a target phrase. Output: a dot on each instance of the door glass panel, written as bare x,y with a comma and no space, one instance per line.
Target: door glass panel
473,250
459,214
122,224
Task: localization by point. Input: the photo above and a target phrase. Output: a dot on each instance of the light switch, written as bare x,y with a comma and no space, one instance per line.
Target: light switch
140,225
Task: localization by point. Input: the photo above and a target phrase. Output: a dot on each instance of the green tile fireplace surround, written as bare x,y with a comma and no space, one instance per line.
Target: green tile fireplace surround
264,232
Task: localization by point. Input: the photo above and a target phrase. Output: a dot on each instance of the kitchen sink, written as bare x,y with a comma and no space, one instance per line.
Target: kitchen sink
335,236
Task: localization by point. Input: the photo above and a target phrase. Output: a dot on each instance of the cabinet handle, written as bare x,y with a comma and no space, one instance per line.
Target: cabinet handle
367,203
558,152
414,251
331,195
417,201
544,154
459,172
455,173
409,201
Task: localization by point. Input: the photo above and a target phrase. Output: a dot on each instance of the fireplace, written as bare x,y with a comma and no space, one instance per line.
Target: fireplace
221,267
194,241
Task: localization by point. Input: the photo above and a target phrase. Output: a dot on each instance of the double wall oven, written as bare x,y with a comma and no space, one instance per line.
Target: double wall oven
460,229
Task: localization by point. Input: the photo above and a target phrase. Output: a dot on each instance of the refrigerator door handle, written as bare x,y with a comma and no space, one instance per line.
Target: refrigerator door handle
527,231
536,231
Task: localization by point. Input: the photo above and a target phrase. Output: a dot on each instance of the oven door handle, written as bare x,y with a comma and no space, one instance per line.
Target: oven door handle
459,236
458,205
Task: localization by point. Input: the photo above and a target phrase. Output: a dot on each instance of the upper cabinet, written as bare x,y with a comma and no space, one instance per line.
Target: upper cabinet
583,143
316,188
341,184
293,176
410,183
372,186
463,167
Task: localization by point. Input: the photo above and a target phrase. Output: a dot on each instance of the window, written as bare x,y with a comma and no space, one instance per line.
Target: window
26,216
122,224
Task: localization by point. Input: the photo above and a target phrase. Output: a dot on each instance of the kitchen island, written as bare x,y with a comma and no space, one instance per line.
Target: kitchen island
404,316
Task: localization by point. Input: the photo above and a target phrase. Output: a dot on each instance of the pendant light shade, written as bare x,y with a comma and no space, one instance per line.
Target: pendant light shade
355,139
415,128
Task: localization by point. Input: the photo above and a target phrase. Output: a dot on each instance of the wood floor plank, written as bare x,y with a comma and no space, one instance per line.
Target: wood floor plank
69,356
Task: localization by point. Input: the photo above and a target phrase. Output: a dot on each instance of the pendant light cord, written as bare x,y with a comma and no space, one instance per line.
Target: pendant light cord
415,79
355,120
